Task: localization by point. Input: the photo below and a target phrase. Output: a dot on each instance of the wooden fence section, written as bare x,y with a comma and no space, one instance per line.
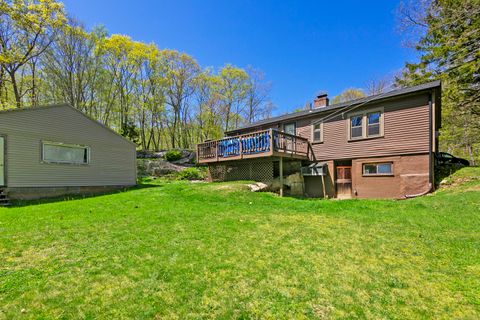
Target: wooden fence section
263,143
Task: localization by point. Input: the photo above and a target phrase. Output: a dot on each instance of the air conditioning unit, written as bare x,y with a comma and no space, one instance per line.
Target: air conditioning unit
315,169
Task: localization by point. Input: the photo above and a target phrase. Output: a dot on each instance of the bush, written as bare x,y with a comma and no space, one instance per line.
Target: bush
191,174
173,155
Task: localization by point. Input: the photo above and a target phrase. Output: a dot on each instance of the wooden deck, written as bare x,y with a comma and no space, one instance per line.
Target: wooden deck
265,143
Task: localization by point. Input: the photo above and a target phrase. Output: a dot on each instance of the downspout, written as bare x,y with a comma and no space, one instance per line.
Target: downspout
430,153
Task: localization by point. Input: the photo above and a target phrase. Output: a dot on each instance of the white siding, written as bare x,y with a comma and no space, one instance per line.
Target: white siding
112,158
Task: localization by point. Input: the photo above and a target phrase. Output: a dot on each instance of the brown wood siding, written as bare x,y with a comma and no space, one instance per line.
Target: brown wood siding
406,131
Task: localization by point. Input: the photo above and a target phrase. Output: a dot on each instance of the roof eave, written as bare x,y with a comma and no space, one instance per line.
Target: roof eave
352,103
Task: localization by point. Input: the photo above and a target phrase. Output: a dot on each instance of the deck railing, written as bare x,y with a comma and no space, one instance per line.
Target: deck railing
251,145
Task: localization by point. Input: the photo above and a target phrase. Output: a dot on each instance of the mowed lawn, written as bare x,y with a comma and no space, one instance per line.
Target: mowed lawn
197,250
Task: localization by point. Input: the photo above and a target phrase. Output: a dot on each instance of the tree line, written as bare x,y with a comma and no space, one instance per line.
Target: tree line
158,98
446,34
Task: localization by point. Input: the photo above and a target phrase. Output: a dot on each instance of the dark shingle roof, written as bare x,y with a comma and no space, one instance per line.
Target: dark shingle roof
352,103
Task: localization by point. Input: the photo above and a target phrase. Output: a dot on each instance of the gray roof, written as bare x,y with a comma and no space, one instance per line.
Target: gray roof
352,103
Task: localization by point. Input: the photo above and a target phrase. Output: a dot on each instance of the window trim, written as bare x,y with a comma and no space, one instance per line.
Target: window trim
52,143
313,124
391,174
364,114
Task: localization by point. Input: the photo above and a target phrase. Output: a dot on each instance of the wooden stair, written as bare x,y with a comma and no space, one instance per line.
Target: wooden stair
4,200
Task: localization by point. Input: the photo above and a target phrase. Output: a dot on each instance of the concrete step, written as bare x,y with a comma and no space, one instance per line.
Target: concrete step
4,200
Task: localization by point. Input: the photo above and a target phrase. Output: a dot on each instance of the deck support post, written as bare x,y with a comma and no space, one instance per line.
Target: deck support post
281,176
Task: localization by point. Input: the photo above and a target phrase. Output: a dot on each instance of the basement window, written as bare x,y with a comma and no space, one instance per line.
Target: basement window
56,152
378,169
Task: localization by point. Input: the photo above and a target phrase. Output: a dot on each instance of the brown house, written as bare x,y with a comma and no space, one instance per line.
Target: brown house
380,146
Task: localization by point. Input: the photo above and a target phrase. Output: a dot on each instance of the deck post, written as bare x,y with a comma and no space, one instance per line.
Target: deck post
241,148
271,141
216,151
281,176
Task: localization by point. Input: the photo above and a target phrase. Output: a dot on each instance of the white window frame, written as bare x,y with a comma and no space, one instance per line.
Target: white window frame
313,132
364,115
391,173
51,143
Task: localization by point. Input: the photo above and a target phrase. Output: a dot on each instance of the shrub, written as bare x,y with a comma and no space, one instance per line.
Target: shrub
173,155
191,174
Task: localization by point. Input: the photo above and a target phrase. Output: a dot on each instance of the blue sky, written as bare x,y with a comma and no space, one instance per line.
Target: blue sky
302,46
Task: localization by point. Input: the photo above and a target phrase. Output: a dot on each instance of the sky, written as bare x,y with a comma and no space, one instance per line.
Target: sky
303,47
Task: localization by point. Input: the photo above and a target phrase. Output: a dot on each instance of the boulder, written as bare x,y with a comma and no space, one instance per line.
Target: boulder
157,167
294,182
258,186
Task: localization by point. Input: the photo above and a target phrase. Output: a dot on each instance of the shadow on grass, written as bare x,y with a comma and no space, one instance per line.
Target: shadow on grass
444,171
68,197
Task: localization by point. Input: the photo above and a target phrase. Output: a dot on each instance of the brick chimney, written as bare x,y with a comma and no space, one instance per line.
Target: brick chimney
320,101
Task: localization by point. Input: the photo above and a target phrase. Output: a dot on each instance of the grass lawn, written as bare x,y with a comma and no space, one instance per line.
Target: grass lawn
184,250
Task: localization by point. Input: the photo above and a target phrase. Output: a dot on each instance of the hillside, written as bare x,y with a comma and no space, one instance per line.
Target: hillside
200,250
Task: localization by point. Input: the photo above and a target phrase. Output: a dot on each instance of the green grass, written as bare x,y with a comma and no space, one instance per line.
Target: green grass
184,250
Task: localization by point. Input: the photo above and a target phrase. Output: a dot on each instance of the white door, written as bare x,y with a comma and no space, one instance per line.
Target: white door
2,161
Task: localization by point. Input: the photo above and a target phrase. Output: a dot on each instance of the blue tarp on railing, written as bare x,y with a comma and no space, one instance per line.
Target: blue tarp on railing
250,145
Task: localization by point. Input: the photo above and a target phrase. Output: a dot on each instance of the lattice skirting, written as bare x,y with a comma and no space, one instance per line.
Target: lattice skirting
241,170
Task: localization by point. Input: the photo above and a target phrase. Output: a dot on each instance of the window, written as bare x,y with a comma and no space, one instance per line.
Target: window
366,125
373,122
54,152
290,128
356,129
317,135
378,169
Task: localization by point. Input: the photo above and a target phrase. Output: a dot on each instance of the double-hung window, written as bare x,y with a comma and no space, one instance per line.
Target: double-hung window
317,132
56,152
373,123
368,124
356,127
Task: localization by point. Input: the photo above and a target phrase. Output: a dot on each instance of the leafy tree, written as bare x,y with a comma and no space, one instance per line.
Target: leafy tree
449,45
27,29
348,95
182,71
233,92
157,98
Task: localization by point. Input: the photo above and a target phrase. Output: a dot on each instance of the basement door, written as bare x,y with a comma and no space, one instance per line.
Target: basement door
344,182
2,161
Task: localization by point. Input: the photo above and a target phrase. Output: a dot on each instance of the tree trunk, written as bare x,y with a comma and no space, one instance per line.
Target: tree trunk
15,89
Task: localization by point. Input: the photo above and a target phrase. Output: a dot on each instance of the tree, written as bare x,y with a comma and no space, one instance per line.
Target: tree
27,29
449,46
348,95
208,100
182,71
258,105
157,98
378,86
69,67
233,91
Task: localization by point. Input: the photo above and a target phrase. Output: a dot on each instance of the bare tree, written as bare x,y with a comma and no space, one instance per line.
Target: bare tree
411,20
258,104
